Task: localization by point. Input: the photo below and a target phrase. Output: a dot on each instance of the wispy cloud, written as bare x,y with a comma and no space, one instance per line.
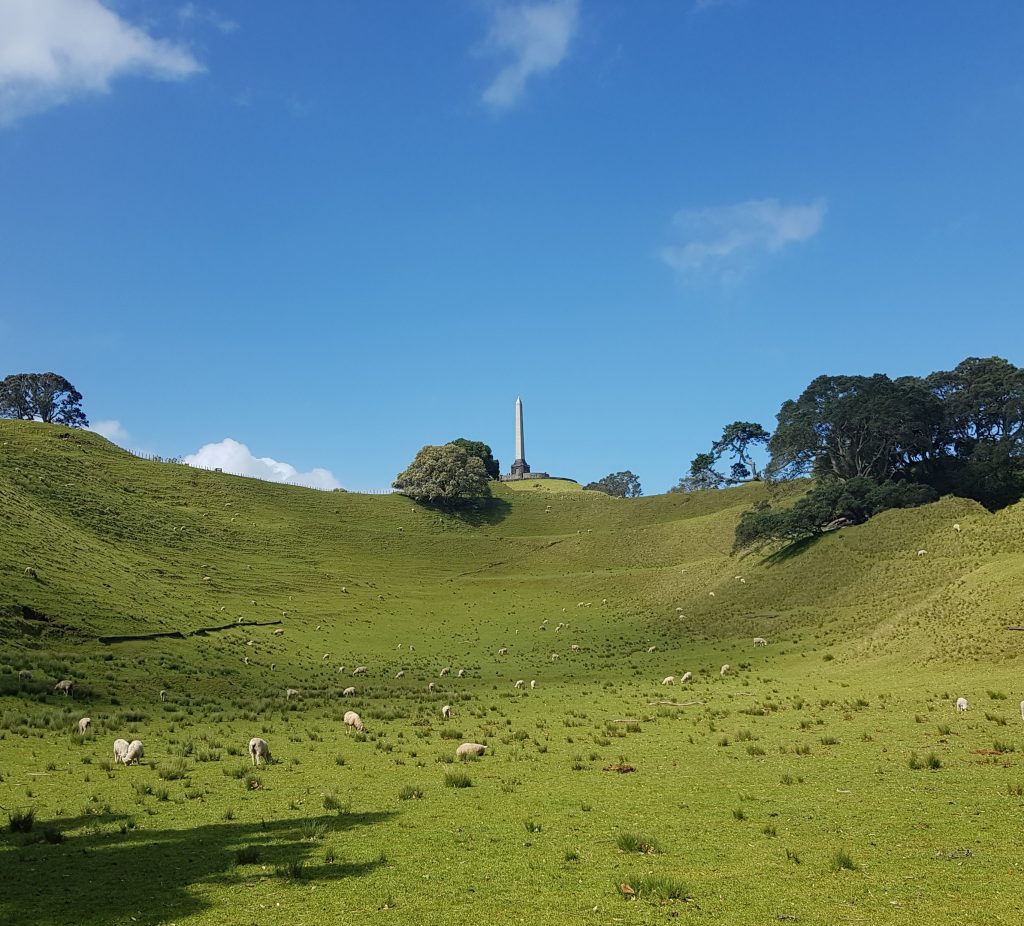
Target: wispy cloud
234,457
728,238
194,12
537,36
52,51
112,430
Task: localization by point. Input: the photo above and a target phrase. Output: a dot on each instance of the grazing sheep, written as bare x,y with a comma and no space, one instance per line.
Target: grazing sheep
30,572
652,649
446,711
348,692
359,670
273,666
352,719
575,647
462,673
711,594
668,680
445,671
163,694
326,657
956,527
289,693
533,683
25,675
120,750
1022,710
760,641
64,686
555,657
503,651
921,552
961,705
687,677
258,749
134,753
84,724
725,669
245,659
519,684
412,649
400,673
278,632
470,749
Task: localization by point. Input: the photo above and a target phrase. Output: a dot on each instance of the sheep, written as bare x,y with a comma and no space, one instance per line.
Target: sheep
278,632
64,686
711,594
446,712
133,755
163,694
470,749
555,657
348,692
352,719
273,666
921,552
30,573
120,750
687,677
575,647
533,684
725,669
84,724
519,684
25,675
289,693
445,671
359,670
956,527
652,649
462,673
412,649
1022,710
961,705
503,651
760,641
668,680
400,673
259,749
326,657
245,659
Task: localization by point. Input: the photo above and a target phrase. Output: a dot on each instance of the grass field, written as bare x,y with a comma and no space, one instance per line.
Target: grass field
826,778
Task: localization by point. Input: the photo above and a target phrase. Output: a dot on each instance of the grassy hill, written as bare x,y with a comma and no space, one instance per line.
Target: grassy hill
804,749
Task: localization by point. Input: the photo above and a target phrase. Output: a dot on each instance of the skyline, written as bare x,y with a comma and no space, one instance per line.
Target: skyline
334,235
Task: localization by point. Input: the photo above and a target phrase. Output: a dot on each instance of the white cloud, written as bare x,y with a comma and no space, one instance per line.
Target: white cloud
112,430
726,238
234,457
537,35
193,12
52,51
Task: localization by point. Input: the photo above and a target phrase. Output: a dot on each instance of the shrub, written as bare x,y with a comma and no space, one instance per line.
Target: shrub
457,779
21,821
841,861
410,793
652,887
249,855
635,842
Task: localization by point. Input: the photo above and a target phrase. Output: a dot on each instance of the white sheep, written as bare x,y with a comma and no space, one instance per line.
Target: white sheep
279,632
120,750
65,686
760,641
163,694
25,675
84,724
134,753
352,719
711,594
445,671
668,680
533,683
1022,710
470,749
431,687
326,657
725,669
359,670
446,711
503,651
575,647
687,677
290,693
400,673
259,750
652,649
921,552
245,659
956,527
961,705
519,684
462,673
555,657
348,692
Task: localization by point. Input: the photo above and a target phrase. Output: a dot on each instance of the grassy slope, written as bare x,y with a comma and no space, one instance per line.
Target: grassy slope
121,545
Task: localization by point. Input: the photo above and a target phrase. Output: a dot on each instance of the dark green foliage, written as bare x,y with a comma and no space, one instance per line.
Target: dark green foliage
457,780
636,842
446,475
476,448
21,821
652,887
702,475
45,397
736,440
619,485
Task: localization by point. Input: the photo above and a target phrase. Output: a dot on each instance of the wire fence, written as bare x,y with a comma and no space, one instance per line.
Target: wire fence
180,461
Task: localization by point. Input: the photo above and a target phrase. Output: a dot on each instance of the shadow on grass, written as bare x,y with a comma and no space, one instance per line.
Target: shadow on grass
109,873
488,511
792,550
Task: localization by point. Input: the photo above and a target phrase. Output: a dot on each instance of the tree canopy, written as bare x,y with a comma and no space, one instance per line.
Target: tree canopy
619,485
444,475
45,397
479,449
702,475
736,440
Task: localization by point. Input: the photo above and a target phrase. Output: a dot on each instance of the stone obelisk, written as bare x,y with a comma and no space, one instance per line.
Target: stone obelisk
520,468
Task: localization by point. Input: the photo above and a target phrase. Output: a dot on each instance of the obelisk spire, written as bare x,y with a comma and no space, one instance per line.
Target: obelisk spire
520,468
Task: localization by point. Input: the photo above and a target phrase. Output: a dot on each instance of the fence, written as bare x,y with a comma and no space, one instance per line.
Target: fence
179,461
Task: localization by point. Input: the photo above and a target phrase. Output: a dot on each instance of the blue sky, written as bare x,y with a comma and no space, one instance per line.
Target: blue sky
335,231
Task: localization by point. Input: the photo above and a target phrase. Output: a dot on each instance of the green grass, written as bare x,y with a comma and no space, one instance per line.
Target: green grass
813,751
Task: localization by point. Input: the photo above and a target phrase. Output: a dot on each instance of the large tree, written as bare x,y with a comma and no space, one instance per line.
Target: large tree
702,475
444,475
619,485
479,449
45,397
736,440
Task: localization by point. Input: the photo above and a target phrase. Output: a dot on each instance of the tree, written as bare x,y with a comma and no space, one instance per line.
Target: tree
618,485
737,439
479,449
702,475
45,397
446,476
